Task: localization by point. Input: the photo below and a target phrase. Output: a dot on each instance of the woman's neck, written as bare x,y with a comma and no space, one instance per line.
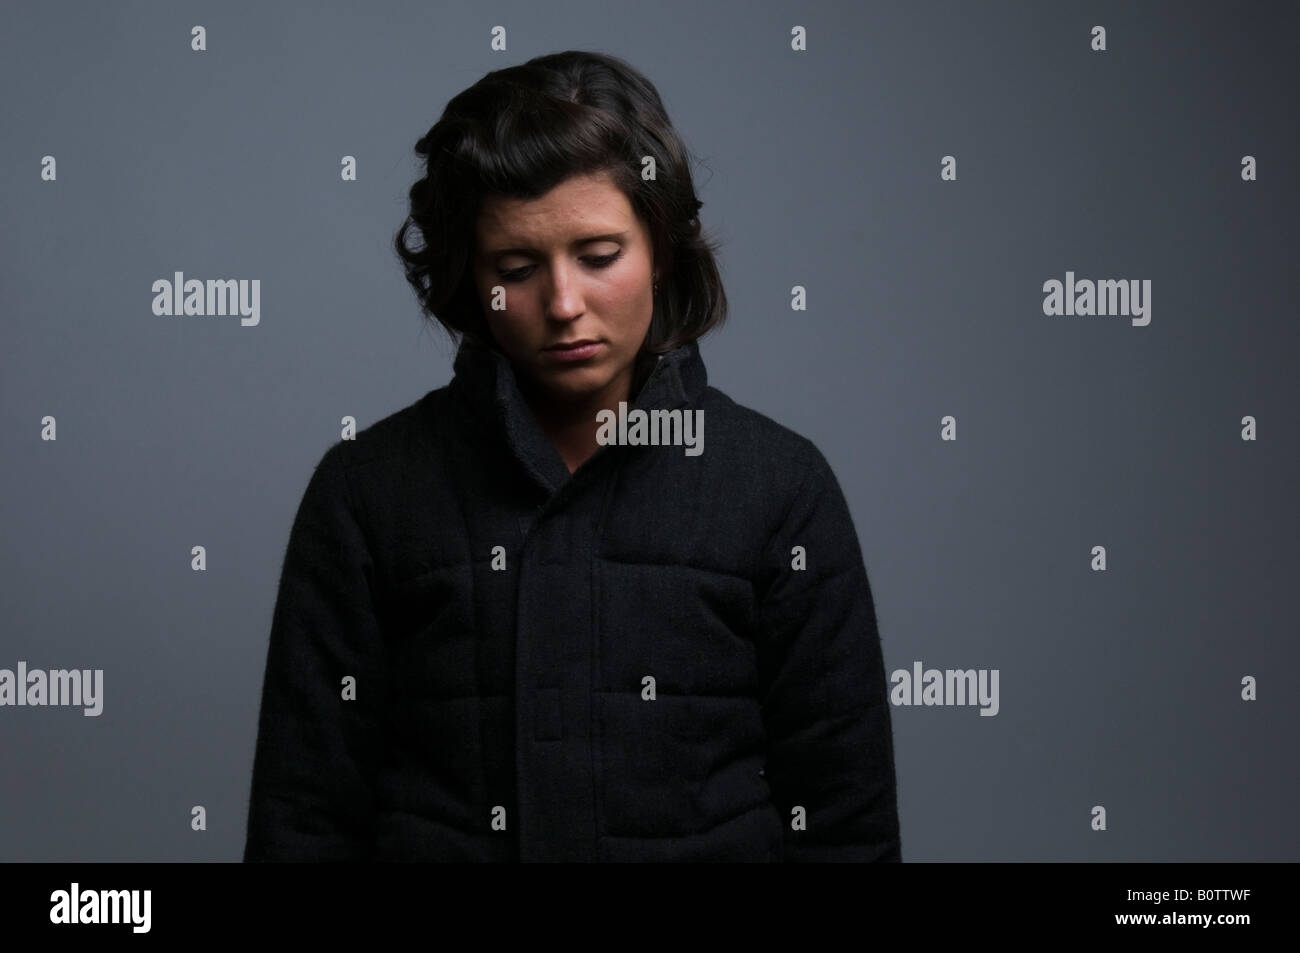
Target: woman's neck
571,425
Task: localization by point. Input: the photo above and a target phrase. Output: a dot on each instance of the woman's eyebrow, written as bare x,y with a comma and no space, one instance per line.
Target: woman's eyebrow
585,240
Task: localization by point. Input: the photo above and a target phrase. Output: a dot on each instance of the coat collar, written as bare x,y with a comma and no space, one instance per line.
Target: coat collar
486,383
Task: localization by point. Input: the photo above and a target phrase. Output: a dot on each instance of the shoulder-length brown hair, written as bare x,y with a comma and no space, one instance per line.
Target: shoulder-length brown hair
522,130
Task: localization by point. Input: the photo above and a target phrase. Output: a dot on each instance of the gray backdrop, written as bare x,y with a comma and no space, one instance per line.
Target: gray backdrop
1120,688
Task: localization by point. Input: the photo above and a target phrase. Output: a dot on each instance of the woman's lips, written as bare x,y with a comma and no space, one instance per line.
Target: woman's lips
579,353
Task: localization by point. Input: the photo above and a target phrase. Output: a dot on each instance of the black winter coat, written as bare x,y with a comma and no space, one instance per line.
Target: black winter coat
464,634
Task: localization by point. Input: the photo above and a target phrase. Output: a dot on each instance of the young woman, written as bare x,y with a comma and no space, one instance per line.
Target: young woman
544,613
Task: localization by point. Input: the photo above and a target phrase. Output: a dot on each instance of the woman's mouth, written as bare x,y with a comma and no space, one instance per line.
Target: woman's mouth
579,350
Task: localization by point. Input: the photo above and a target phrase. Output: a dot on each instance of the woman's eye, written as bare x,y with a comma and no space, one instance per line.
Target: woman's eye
596,261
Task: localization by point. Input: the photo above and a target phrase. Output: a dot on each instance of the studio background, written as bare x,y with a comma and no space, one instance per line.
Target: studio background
819,168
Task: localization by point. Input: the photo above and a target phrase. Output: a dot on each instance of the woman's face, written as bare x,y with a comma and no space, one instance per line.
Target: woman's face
573,265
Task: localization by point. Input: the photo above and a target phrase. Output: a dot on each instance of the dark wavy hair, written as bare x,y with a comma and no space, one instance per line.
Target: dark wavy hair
520,131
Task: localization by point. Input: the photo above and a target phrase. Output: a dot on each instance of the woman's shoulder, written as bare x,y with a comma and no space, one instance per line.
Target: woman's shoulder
753,440
402,433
